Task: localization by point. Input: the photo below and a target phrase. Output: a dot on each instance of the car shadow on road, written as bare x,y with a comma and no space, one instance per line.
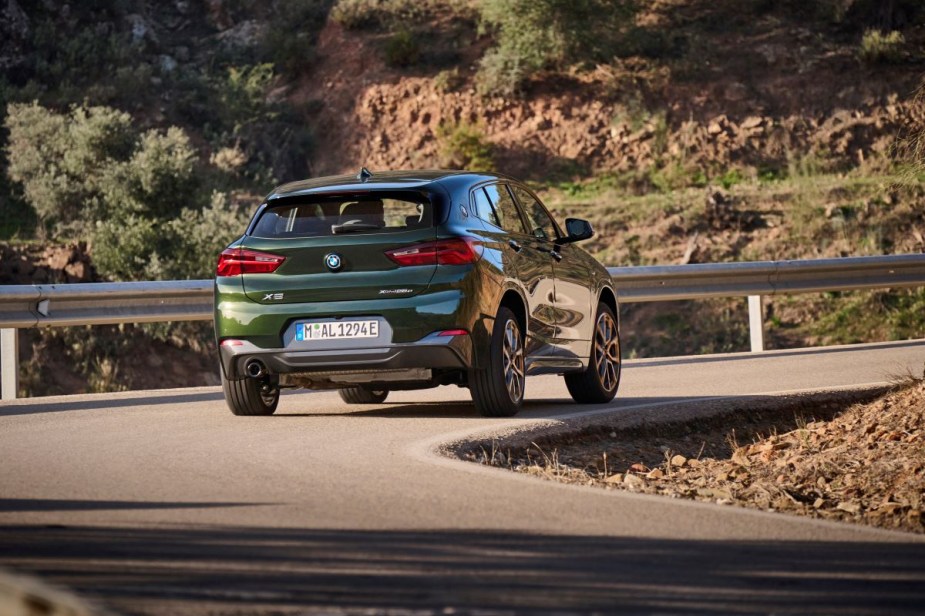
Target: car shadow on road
532,409
121,401
258,570
10,505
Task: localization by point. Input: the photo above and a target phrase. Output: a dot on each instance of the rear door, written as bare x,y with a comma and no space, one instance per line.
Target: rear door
335,247
532,266
573,305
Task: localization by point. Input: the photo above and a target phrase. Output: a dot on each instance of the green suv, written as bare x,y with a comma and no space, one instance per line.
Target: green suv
407,280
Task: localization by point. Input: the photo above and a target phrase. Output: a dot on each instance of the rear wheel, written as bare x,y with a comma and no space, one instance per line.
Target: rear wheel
598,384
359,395
498,387
251,396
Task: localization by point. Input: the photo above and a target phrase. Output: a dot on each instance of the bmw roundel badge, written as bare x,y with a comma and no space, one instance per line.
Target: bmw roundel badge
333,261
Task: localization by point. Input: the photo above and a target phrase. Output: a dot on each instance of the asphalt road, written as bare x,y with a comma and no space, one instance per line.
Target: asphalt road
162,502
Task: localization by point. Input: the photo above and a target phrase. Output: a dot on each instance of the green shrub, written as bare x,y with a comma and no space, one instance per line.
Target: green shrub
731,178
360,14
273,138
532,35
292,32
90,163
402,49
449,80
464,146
127,247
200,235
61,159
879,48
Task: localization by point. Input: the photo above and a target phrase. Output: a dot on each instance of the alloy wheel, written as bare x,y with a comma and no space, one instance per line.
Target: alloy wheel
607,352
513,361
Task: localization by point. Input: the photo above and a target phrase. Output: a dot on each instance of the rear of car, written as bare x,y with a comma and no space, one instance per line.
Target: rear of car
348,285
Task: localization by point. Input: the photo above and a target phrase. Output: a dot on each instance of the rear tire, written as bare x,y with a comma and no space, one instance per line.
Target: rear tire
251,396
359,395
498,387
598,384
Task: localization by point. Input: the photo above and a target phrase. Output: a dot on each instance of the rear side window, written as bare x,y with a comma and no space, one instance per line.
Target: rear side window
482,207
505,208
543,226
368,213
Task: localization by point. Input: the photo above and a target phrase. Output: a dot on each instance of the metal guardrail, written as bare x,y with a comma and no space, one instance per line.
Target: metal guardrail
659,283
27,306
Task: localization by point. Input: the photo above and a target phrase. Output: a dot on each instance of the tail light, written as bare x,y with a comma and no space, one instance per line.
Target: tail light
237,261
453,251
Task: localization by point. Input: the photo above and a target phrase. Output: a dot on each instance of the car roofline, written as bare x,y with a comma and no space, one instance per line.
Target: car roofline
387,180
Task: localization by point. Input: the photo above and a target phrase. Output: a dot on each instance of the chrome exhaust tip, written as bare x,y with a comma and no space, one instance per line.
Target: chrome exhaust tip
255,369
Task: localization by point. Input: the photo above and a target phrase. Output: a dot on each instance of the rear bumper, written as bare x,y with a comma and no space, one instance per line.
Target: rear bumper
352,365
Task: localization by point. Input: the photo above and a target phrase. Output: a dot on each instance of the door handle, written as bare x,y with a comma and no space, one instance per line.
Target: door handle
513,244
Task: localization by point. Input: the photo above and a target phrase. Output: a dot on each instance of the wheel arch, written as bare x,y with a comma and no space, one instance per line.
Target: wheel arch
513,300
609,297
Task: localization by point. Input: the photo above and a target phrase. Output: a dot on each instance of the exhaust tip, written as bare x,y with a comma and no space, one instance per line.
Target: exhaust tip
255,369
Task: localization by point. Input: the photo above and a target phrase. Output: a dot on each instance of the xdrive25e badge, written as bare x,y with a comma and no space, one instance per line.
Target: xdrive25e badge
333,261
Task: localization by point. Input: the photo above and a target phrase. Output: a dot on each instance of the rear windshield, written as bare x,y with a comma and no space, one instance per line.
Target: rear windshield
325,216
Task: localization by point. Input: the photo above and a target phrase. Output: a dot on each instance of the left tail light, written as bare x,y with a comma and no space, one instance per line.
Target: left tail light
237,261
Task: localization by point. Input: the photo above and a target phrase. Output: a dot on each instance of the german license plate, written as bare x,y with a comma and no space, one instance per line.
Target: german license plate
337,330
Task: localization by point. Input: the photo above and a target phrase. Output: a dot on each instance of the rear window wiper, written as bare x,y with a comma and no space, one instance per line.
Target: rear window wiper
354,225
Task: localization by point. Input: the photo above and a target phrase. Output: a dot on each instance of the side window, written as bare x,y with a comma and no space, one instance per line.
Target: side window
505,208
542,225
482,207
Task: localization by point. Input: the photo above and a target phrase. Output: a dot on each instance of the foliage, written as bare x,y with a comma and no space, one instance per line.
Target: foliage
90,163
402,49
62,160
137,196
292,32
464,146
879,48
449,80
533,35
371,14
273,139
184,247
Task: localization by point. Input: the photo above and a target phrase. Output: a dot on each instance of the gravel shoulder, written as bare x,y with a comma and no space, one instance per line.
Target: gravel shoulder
853,456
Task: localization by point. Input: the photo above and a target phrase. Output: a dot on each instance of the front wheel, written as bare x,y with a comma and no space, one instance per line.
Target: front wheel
359,395
498,387
251,396
598,383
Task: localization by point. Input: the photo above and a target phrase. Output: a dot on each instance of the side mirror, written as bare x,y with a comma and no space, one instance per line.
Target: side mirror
577,230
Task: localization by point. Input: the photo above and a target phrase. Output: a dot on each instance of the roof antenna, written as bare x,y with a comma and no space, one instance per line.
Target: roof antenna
364,174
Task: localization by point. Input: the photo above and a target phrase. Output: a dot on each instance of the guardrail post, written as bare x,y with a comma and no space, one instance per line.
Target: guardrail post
755,323
9,363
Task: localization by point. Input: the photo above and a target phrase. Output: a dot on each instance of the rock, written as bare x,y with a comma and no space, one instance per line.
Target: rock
752,122
77,272
819,502
631,480
848,506
639,468
58,257
167,63
655,474
142,31
246,34
740,457
678,460
615,478
736,91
